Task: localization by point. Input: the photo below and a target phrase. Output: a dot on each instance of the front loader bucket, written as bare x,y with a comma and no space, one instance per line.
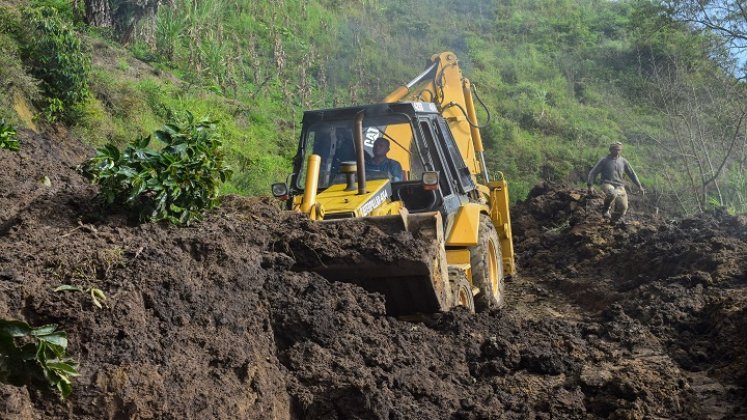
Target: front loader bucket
408,287
401,257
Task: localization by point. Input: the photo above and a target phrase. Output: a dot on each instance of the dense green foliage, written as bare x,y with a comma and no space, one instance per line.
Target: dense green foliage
8,138
176,184
56,56
29,354
560,79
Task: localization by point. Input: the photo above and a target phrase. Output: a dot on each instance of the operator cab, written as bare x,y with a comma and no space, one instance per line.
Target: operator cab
420,142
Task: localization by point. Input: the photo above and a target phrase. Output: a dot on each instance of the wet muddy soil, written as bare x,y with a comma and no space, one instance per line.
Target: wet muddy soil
643,320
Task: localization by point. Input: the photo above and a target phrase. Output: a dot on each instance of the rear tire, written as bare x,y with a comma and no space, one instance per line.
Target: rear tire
487,267
461,290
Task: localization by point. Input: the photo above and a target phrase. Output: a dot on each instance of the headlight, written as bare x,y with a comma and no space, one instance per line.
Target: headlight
280,190
430,180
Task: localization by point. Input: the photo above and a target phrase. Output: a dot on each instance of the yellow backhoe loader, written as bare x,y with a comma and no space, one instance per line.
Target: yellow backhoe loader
440,191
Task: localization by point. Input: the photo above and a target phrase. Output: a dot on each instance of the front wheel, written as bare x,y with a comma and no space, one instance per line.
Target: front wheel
461,290
487,267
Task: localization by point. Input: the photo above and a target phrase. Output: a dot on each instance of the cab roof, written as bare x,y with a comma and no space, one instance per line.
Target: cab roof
376,110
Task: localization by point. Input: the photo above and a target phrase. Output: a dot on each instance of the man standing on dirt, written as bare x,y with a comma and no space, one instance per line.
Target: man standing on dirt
612,167
381,163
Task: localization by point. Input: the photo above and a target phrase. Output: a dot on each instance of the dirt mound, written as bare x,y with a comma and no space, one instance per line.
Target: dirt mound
684,281
216,321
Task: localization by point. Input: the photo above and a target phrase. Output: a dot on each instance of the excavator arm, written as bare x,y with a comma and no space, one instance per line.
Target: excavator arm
443,84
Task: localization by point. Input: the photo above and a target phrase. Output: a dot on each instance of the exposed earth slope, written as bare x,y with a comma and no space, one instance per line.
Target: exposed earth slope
646,320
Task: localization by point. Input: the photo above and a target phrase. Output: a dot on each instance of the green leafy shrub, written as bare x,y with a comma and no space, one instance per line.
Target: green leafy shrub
65,8
56,56
13,76
29,354
8,138
176,184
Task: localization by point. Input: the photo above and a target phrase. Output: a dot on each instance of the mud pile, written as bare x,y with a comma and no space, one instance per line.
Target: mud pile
684,281
216,321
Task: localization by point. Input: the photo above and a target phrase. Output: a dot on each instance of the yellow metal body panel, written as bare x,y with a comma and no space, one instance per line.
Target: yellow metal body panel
463,227
336,200
399,148
388,209
502,220
458,256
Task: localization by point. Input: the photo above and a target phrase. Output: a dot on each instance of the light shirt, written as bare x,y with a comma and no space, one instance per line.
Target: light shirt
389,166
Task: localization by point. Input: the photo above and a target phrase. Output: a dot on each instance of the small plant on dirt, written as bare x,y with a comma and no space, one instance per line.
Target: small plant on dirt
8,138
97,295
29,354
560,228
110,257
176,184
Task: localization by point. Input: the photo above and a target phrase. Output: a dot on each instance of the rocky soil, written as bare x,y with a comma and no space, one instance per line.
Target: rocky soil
644,320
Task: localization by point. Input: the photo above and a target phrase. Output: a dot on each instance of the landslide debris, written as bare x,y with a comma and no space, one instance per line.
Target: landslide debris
217,321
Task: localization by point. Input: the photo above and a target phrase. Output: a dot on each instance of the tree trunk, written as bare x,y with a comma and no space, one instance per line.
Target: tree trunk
99,13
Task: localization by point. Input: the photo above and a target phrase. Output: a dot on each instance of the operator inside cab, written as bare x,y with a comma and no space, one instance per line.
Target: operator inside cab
381,166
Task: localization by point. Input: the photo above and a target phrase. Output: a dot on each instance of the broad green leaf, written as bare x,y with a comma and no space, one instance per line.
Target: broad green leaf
126,171
65,389
110,151
15,328
59,338
142,142
64,367
44,330
163,136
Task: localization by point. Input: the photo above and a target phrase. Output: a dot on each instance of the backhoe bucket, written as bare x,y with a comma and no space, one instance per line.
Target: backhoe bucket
402,257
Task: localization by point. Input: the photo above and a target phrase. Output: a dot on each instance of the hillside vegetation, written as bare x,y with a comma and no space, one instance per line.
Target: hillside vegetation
133,284
560,79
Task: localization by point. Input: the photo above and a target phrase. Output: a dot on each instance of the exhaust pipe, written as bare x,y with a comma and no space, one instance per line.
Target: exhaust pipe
360,154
